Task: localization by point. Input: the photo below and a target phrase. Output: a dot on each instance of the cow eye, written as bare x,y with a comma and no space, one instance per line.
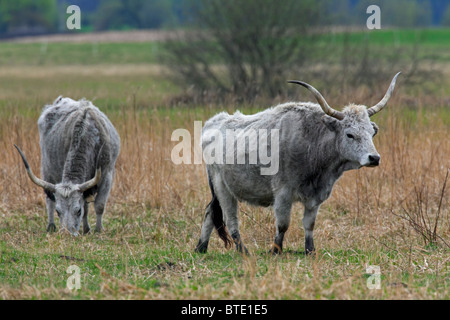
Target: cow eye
79,213
350,136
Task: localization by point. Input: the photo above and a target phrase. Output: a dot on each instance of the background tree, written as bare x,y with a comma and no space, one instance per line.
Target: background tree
399,13
134,14
256,42
28,16
446,17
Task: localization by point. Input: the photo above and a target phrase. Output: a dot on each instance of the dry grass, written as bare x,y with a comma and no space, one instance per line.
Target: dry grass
156,208
102,37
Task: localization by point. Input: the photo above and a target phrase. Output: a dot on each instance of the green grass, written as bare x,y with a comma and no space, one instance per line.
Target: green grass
46,54
51,54
394,37
147,249
160,268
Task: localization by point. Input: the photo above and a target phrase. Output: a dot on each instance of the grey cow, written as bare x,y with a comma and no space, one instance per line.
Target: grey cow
316,144
79,149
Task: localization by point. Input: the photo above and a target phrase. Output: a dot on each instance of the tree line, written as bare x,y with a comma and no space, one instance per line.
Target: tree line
49,16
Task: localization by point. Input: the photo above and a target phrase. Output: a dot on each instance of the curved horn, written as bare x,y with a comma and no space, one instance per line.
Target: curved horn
93,182
378,107
41,183
323,103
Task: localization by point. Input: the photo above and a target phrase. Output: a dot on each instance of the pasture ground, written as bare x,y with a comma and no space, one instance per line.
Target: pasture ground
153,219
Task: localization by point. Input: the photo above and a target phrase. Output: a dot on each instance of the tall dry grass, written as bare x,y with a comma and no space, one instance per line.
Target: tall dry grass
414,155
361,224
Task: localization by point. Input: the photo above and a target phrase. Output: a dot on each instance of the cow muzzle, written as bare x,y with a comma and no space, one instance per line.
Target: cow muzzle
374,160
71,232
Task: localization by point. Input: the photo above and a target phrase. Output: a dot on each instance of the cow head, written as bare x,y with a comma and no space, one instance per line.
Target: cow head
69,198
353,128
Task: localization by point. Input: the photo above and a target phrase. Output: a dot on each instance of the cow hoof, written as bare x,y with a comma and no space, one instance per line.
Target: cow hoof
244,251
275,251
51,227
202,247
98,230
86,230
201,250
310,252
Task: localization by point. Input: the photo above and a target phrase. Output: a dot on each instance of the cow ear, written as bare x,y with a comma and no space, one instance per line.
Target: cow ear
50,195
90,199
332,123
89,195
375,127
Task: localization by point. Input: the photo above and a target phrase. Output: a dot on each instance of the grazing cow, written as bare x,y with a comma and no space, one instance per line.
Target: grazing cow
316,144
79,149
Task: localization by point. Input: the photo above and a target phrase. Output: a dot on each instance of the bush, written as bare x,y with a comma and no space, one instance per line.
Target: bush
242,47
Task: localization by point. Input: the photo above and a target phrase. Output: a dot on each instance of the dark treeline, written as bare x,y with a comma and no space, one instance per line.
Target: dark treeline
49,16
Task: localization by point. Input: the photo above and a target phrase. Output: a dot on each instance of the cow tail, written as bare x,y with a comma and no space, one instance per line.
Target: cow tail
215,210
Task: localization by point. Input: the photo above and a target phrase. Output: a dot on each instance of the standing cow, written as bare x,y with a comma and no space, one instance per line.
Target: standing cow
316,144
79,149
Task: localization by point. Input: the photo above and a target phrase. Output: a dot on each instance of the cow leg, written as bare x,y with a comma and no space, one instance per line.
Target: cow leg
51,226
282,208
101,199
86,227
229,206
309,219
207,229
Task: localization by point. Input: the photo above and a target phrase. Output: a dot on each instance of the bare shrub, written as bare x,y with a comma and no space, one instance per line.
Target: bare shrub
243,47
423,212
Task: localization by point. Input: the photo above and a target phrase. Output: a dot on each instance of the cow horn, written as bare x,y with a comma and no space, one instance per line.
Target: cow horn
41,183
378,107
93,182
98,174
323,103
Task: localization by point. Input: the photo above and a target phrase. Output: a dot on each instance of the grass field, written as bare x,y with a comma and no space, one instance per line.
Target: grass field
153,219
432,44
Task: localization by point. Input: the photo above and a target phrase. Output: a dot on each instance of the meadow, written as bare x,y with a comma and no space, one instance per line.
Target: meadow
395,217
